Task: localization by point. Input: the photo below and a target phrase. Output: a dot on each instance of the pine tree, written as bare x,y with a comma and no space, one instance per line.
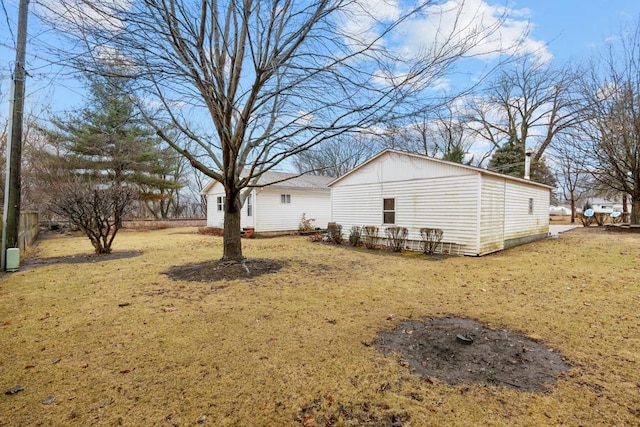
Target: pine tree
510,158
108,139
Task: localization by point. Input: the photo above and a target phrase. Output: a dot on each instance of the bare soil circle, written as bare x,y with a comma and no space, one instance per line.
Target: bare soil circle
219,270
457,350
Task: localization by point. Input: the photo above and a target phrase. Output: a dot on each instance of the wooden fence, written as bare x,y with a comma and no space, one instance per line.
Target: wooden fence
28,228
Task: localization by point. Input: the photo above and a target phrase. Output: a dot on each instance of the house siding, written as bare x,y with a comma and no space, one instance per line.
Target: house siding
492,202
215,218
418,203
519,224
269,215
275,216
479,212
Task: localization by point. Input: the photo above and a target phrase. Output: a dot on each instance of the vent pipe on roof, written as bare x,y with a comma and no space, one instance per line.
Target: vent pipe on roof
527,163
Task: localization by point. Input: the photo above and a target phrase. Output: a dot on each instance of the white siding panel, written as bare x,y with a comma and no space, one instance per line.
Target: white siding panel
395,167
519,222
272,215
215,218
492,215
445,203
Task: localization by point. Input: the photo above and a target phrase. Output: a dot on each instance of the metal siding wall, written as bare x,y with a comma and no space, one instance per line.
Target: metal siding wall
276,216
518,222
214,217
492,214
393,167
445,203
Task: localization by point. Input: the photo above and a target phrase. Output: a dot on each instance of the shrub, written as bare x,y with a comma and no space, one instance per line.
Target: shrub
430,239
306,224
335,233
397,237
355,236
369,236
585,220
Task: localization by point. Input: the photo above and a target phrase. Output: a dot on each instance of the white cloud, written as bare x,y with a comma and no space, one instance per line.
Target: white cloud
493,29
78,15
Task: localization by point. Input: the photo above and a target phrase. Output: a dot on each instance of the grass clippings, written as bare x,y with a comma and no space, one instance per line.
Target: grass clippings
286,349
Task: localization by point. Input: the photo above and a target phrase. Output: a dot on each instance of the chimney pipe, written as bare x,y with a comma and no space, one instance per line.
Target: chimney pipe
527,163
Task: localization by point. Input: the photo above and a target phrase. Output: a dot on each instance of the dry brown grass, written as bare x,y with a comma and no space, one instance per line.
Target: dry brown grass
267,351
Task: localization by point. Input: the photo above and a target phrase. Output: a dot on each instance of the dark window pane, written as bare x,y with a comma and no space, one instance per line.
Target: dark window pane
389,217
389,204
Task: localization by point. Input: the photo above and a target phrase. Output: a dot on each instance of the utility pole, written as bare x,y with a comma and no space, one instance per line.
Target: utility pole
11,213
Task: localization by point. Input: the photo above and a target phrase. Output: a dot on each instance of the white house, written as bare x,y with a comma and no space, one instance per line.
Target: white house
277,203
478,211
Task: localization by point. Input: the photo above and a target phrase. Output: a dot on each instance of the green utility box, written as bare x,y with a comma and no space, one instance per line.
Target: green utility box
13,259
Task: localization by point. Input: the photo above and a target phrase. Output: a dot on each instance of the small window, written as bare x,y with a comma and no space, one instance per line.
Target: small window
389,211
530,206
249,206
285,198
220,203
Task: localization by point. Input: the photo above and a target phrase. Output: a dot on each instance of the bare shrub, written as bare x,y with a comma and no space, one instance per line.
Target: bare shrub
306,224
397,237
585,220
369,236
97,208
335,233
431,237
355,236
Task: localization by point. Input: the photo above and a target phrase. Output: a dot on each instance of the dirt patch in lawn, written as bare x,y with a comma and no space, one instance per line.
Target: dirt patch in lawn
218,270
77,259
463,351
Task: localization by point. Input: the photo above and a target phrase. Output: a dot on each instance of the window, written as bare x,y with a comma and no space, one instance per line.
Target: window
249,206
389,211
220,203
285,198
530,206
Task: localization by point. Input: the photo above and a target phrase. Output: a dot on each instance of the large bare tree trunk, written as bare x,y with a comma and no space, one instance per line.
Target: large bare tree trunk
232,243
635,210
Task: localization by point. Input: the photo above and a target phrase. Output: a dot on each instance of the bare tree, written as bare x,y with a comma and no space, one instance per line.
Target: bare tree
96,208
337,156
575,178
528,105
612,143
272,78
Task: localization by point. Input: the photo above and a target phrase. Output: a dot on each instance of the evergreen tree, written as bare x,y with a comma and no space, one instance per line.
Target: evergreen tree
510,158
109,140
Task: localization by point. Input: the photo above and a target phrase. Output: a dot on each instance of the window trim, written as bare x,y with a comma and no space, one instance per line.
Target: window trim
285,199
250,205
388,211
220,202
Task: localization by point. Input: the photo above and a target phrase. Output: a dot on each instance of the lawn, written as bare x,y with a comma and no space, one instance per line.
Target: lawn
119,343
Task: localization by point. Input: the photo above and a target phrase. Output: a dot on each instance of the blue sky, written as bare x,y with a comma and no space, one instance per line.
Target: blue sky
573,29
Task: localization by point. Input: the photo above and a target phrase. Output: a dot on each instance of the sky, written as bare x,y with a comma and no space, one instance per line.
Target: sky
561,31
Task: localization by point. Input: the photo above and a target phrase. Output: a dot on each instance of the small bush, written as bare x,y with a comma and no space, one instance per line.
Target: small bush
335,233
355,236
431,237
369,236
397,237
585,220
306,224
316,237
